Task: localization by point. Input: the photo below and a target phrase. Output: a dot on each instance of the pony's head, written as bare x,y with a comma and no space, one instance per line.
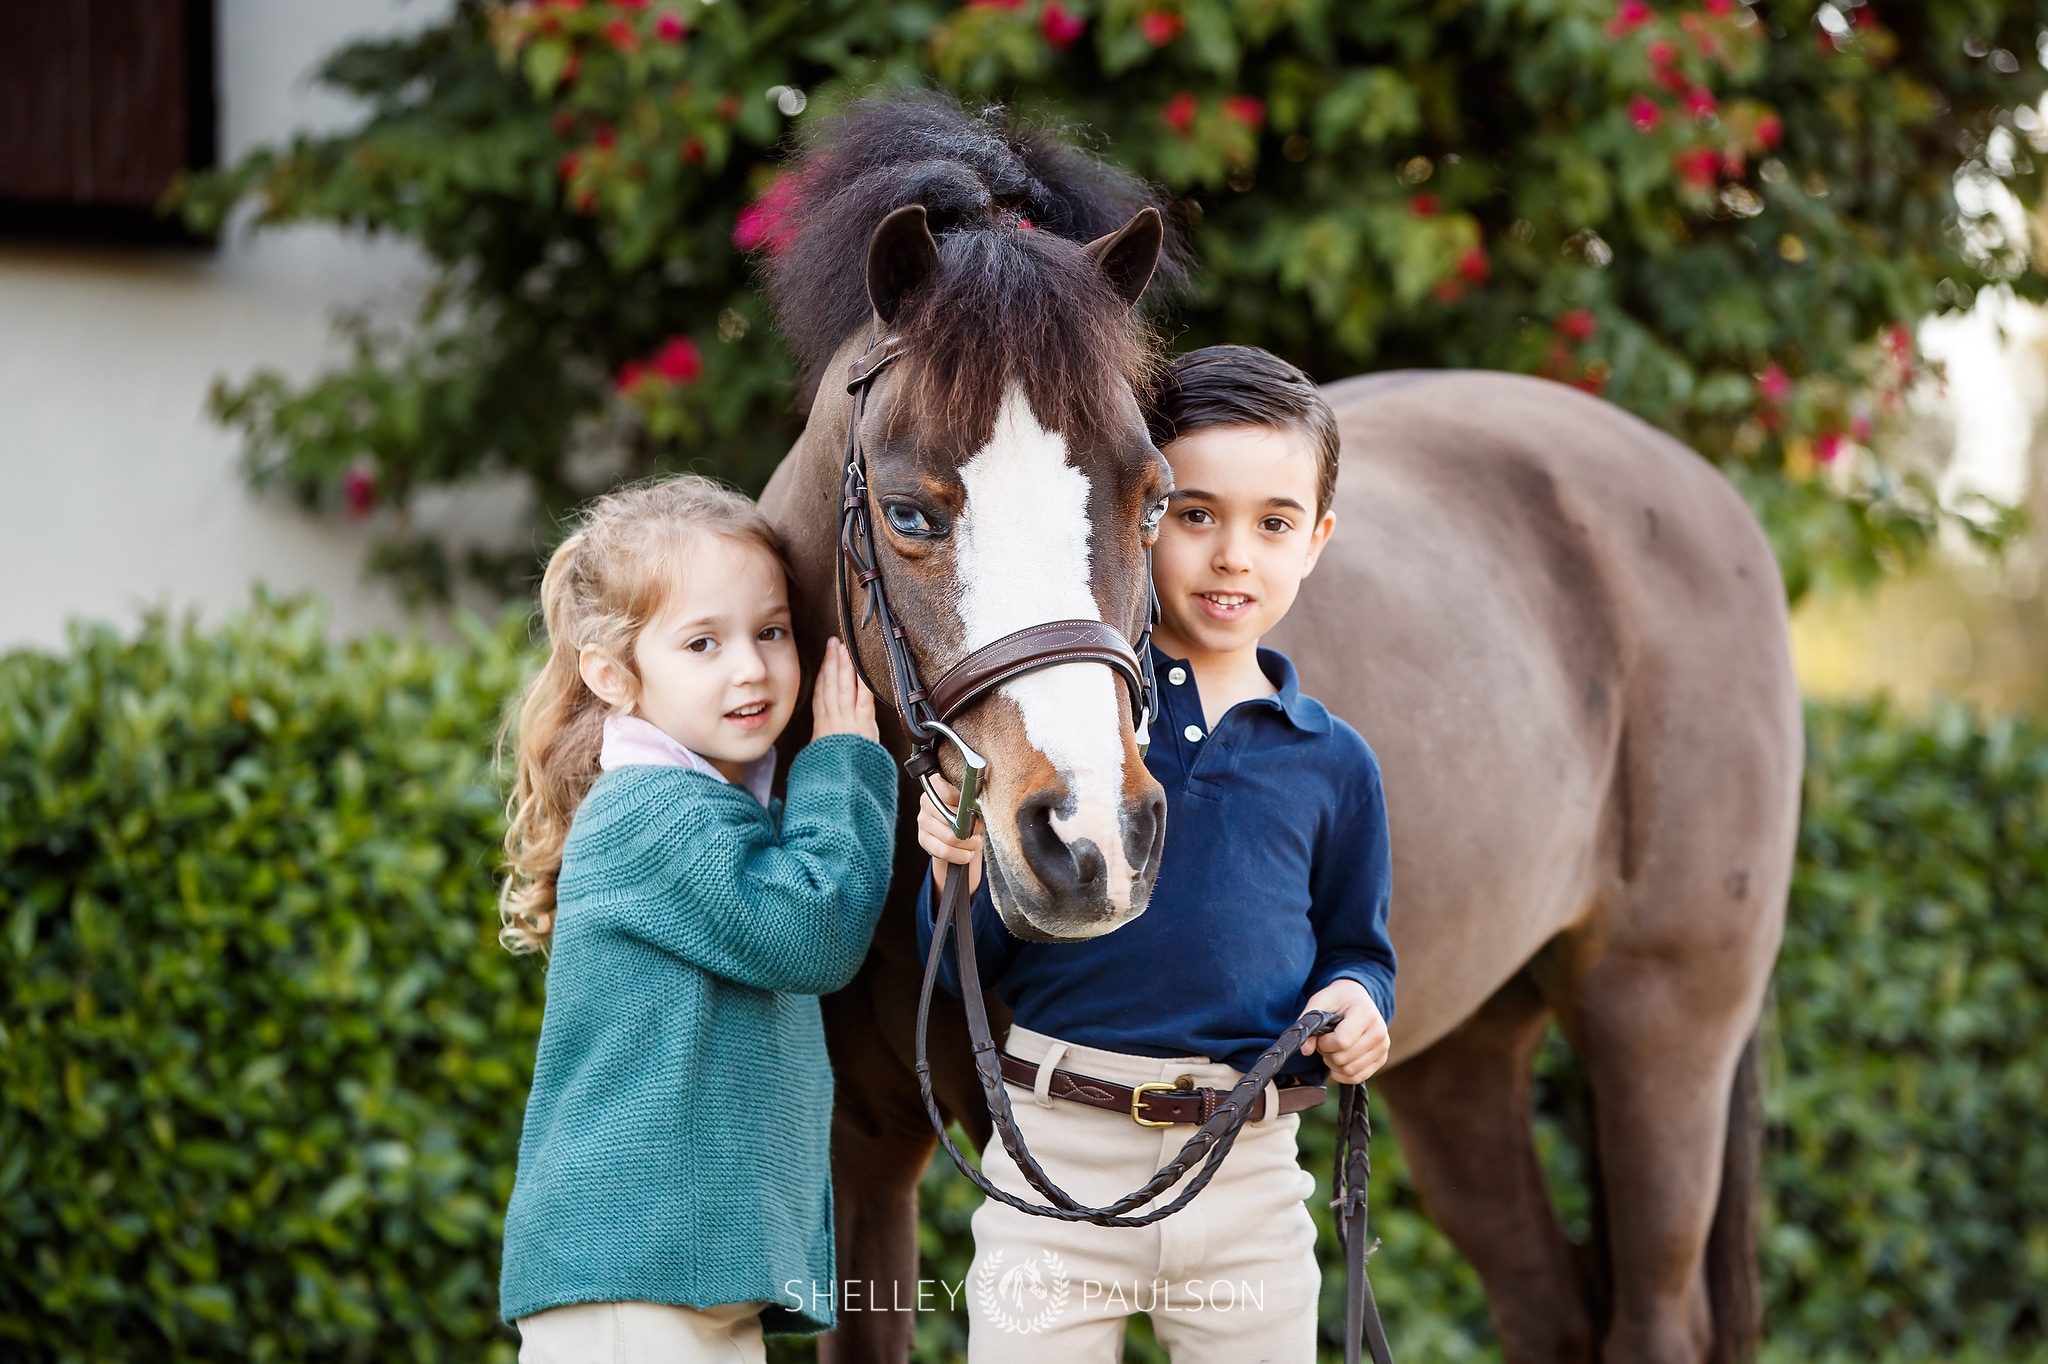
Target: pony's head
1010,471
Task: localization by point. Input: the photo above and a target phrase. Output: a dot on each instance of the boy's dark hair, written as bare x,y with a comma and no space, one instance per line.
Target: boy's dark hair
1245,386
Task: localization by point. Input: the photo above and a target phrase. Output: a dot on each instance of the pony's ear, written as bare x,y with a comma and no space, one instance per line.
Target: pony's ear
1128,255
901,256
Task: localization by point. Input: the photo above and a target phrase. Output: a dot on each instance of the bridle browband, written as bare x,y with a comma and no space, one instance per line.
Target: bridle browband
926,713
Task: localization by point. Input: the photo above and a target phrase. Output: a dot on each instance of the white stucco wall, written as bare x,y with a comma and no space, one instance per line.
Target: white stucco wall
116,489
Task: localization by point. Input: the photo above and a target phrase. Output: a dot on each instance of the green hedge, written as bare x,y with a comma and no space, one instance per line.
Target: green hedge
262,1064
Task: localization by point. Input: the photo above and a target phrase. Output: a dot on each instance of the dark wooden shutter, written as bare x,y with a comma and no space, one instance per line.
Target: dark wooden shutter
102,102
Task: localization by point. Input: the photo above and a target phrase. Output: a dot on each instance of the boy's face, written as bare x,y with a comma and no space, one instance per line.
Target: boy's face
1240,533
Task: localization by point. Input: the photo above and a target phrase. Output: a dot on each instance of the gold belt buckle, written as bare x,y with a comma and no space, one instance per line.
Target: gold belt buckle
1138,1093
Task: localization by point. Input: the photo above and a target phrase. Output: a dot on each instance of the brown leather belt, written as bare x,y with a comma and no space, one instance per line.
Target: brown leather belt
1154,1104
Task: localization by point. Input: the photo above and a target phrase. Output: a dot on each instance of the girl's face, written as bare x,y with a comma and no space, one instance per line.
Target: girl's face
718,665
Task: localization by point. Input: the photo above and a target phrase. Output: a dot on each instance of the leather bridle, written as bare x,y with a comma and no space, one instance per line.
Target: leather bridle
926,714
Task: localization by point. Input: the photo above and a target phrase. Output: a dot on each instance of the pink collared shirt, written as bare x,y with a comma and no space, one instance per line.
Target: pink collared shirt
631,741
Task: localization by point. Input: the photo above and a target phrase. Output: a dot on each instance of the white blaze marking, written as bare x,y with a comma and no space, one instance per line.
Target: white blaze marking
1022,560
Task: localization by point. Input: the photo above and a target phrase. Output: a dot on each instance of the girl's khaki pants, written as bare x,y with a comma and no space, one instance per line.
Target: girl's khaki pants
643,1333
1230,1279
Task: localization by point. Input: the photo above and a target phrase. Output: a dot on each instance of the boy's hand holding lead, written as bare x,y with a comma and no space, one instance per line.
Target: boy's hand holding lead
1360,1044
841,703
935,836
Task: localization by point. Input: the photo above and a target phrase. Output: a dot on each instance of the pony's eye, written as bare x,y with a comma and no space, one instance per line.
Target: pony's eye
905,518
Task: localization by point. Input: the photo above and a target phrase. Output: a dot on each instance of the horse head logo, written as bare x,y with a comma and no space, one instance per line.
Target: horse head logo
1025,1298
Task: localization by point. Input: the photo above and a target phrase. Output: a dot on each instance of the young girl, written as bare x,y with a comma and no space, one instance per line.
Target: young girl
673,1198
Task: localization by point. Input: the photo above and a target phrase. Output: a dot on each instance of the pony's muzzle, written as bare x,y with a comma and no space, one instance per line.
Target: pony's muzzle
1091,888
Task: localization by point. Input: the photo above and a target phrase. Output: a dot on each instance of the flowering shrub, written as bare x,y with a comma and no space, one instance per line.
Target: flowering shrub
1734,191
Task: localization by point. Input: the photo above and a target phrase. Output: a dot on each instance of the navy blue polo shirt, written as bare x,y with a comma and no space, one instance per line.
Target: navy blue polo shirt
1274,882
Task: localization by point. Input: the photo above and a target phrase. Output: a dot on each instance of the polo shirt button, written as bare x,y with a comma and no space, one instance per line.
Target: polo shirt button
1193,734
1176,675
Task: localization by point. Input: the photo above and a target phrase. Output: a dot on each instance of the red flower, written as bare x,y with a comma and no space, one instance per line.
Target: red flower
1697,166
1629,16
1644,113
1244,109
670,27
995,4
1425,205
1671,78
1720,9
678,361
760,224
1577,326
622,35
1060,25
1770,130
1827,446
359,489
1772,385
1898,338
729,108
566,167
1662,53
1160,28
629,376
692,151
605,138
1178,113
1474,266
1700,102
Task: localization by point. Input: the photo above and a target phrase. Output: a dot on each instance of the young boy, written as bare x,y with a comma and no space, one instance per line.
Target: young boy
1271,899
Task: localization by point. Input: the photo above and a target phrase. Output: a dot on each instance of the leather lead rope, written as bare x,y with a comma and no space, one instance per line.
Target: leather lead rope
924,722
1349,1181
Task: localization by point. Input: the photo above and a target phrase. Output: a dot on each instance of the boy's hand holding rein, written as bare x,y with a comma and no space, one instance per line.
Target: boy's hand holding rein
1360,1044
841,703
935,836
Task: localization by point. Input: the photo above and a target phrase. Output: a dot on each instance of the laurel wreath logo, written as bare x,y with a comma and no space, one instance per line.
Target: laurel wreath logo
1028,1297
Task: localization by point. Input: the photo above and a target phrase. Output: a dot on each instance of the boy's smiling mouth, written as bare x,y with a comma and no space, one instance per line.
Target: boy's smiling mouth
1224,605
753,715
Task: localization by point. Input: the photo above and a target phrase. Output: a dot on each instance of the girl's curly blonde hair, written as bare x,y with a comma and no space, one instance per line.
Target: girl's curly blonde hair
603,584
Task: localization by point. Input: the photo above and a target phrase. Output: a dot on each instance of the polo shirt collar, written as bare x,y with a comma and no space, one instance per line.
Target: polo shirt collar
1303,712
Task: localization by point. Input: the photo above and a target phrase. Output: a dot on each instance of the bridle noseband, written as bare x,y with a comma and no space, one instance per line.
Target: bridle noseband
927,712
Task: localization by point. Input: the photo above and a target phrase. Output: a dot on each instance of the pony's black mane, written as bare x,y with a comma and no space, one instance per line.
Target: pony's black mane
1015,298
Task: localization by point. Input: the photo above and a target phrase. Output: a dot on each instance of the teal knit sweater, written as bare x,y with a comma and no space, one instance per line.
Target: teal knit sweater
677,1146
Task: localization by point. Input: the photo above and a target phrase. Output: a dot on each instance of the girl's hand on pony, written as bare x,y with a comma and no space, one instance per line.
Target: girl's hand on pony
1360,1044
841,703
935,836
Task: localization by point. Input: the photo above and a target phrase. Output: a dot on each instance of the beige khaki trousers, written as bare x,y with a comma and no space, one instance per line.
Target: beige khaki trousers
1230,1279
643,1333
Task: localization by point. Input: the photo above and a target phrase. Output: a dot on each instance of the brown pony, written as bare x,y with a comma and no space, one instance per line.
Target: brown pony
1561,631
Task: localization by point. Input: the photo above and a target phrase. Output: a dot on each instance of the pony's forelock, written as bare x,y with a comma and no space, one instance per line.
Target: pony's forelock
1015,299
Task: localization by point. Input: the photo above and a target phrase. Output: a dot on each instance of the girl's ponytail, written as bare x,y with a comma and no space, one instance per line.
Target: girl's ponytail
601,587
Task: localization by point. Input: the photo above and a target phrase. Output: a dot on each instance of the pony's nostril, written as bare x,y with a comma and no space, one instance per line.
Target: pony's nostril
1063,868
1145,833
